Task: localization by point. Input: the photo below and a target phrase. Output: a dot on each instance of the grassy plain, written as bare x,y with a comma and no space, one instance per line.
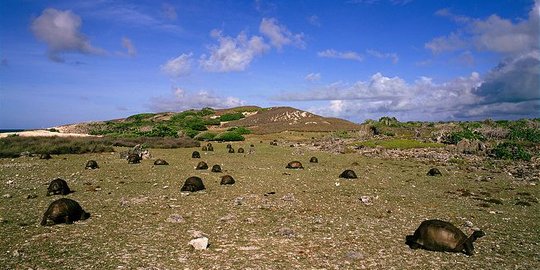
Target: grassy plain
313,221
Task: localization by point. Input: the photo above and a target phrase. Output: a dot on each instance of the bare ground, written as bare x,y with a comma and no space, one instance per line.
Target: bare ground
271,218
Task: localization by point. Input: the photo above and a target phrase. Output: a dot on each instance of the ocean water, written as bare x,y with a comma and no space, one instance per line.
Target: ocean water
11,130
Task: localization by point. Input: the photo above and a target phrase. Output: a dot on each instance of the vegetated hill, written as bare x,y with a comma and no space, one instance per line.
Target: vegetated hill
259,120
278,119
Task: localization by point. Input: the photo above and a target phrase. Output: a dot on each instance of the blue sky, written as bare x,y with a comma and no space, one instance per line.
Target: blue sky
72,61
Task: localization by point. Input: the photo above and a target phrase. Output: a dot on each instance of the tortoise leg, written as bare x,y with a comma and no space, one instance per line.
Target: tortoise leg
68,220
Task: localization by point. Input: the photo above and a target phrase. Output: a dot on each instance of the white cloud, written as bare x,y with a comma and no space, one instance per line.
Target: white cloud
451,42
375,53
313,77
169,11
279,35
182,100
348,55
178,66
494,34
128,45
60,30
232,54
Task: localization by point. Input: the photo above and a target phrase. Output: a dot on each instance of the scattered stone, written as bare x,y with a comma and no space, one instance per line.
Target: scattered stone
175,218
289,197
7,196
354,255
200,243
468,224
286,232
227,218
366,200
238,201
434,172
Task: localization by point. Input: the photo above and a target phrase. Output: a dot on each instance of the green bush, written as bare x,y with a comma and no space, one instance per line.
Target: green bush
455,137
525,134
231,117
140,116
205,136
160,131
229,136
240,130
190,132
194,123
212,122
511,150
389,121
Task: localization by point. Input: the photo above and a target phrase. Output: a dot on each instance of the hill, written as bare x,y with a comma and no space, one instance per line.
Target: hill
278,119
192,122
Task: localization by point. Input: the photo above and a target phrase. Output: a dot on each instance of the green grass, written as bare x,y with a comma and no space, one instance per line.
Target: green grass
399,144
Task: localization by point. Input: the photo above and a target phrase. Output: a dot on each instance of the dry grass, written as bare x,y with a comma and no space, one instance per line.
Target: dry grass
313,221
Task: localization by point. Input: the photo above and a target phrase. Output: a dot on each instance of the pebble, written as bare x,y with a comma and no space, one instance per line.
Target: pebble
200,243
354,255
7,196
468,224
175,218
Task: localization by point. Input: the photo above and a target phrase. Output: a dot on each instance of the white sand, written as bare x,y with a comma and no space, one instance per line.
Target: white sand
44,133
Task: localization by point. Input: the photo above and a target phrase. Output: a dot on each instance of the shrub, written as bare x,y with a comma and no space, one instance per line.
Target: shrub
205,136
231,117
160,131
240,130
525,134
511,150
140,116
455,137
229,136
212,122
389,121
14,146
190,132
194,123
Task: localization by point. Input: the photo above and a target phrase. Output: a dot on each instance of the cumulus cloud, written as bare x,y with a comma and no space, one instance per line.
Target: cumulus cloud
179,66
494,34
232,53
181,100
462,98
279,35
128,45
513,80
169,11
60,30
313,77
375,53
348,55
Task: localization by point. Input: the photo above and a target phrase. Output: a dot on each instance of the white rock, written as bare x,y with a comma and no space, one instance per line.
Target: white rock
200,243
366,200
7,196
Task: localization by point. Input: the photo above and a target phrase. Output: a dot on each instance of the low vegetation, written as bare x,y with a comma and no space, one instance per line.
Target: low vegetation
399,144
15,146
